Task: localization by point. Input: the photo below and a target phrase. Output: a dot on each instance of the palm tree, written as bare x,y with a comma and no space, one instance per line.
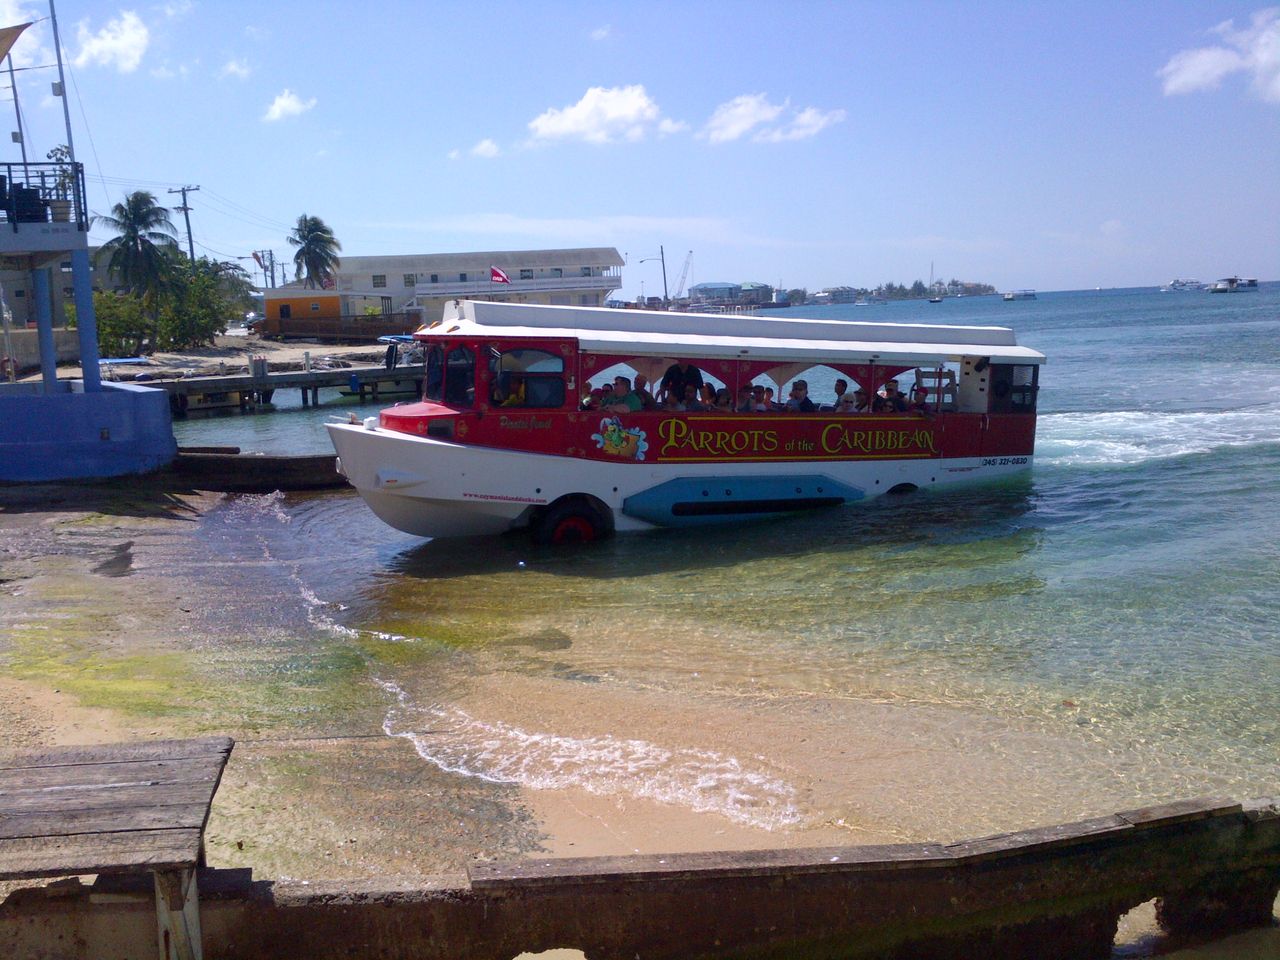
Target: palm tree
317,254
142,257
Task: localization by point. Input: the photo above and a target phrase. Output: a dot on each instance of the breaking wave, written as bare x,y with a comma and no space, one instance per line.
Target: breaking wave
1133,436
701,780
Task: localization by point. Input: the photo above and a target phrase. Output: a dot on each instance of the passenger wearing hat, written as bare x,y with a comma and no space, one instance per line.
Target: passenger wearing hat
800,402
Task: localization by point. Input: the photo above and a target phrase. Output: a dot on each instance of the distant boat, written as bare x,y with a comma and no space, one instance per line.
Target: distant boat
935,298
1233,285
1020,295
1181,285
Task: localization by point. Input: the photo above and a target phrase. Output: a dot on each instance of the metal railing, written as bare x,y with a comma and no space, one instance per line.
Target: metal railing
483,286
43,193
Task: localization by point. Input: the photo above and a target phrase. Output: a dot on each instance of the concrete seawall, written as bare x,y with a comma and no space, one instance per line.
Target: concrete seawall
1054,893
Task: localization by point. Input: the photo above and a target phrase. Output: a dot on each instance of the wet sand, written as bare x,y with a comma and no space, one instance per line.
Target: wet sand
105,636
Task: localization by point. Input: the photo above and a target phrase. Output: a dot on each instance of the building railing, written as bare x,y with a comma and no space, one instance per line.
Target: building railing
485,286
43,193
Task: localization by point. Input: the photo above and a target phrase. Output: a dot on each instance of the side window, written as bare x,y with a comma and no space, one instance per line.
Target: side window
1014,387
286,311
460,377
526,378
433,388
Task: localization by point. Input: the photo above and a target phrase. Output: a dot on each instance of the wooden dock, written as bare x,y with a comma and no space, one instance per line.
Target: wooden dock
116,809
366,381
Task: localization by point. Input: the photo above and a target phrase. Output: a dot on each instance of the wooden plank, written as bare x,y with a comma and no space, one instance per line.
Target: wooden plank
158,795
105,776
119,753
29,857
1042,838
1181,811
683,866
188,816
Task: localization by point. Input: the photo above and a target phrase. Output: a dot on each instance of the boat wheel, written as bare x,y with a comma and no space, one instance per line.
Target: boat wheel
570,521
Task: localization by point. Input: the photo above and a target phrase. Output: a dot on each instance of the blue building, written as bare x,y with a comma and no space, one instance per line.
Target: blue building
65,429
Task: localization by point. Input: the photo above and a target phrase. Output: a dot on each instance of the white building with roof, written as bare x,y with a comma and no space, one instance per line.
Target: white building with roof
419,285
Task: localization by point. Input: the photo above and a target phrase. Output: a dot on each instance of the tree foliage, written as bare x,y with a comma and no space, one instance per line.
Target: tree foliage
141,258
317,255
197,305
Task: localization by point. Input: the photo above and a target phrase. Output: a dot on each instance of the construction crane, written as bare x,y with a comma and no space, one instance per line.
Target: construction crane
684,275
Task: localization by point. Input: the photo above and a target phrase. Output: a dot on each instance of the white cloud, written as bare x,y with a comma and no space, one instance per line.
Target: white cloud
485,148
603,115
235,68
166,72
454,154
177,8
287,104
807,123
666,126
1253,50
120,44
737,117
33,48
601,33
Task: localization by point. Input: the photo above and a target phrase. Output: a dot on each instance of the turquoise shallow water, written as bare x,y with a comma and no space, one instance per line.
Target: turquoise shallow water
1123,598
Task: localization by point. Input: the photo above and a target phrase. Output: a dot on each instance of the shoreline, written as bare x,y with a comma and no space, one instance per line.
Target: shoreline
91,599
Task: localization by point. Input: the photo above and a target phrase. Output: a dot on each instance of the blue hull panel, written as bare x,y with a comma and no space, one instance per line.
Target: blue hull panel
701,500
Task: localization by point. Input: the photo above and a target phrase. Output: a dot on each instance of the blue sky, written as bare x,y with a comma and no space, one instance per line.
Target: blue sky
1055,146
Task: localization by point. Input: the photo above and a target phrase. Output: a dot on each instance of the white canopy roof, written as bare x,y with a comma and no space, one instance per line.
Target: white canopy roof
653,333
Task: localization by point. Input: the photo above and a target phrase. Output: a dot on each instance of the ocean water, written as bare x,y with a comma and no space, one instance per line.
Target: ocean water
1118,607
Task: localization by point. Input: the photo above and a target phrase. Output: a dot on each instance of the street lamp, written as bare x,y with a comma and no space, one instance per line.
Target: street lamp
663,257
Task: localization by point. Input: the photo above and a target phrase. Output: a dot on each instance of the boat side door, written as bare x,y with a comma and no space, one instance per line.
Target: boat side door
1009,428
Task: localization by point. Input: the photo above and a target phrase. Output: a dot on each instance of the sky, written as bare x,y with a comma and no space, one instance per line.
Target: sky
1042,145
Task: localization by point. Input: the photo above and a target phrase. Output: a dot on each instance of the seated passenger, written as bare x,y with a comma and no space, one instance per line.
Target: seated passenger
758,404
895,401
842,387
642,391
861,402
593,399
744,404
624,399
691,403
846,403
768,399
800,402
514,393
919,399
707,396
724,401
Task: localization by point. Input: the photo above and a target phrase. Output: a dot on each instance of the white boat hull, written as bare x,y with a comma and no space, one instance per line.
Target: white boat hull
435,488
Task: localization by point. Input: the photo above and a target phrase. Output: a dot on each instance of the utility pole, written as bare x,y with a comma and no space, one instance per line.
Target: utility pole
186,215
267,261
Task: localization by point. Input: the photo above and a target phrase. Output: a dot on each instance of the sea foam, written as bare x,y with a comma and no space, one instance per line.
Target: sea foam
701,780
1135,436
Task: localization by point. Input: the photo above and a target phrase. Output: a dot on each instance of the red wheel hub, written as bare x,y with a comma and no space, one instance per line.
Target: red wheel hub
574,530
